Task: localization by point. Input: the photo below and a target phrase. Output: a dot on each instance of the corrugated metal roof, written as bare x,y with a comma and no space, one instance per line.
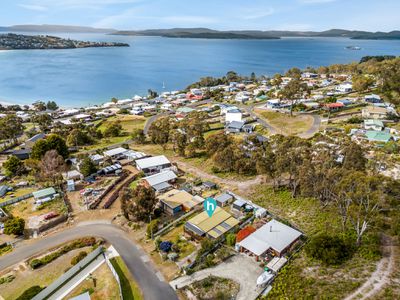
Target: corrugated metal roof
160,177
207,224
44,193
151,162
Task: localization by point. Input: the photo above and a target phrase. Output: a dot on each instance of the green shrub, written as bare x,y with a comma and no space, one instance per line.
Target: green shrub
7,279
152,227
14,225
30,293
80,243
81,255
231,239
330,250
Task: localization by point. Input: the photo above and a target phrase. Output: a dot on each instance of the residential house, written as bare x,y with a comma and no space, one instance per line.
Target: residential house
373,99
44,195
378,136
152,165
273,104
212,227
97,158
234,127
30,142
175,201
372,124
274,237
373,112
346,87
345,102
160,181
4,189
73,174
233,115
334,106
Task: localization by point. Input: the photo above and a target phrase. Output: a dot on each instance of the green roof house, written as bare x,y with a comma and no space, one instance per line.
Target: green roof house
378,136
45,193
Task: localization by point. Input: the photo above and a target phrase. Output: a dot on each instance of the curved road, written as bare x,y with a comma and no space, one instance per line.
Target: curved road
145,275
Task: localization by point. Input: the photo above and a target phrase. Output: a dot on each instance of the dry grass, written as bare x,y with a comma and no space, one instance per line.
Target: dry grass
285,124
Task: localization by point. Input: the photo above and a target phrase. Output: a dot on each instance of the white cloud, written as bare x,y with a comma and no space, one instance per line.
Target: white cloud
33,7
253,15
188,19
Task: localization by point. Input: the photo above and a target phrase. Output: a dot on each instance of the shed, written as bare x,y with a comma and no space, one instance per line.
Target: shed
223,199
70,185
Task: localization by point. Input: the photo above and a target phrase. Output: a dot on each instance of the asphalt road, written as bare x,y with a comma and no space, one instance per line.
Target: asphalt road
146,276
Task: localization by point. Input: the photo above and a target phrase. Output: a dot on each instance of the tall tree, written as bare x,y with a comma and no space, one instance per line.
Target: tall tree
139,204
52,166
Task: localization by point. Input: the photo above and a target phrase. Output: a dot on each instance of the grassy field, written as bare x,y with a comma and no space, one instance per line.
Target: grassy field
130,290
285,124
303,273
128,122
25,277
27,208
17,193
103,285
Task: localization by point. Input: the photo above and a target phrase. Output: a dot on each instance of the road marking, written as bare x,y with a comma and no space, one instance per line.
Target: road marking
160,276
145,258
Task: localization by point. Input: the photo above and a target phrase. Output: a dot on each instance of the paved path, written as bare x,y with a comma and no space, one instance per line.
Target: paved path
240,268
152,119
314,128
151,284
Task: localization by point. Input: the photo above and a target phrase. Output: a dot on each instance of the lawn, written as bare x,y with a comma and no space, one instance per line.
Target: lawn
174,236
17,193
130,289
26,208
25,277
284,123
102,286
304,274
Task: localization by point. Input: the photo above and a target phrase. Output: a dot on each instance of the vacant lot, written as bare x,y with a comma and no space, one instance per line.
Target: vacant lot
102,285
284,123
304,274
128,122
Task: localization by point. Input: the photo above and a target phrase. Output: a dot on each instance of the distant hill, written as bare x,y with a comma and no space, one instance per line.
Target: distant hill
56,29
257,34
208,33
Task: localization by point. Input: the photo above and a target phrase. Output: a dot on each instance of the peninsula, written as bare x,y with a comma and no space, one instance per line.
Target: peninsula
13,41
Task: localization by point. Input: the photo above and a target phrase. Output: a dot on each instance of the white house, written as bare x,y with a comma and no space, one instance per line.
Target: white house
233,115
152,165
273,236
372,124
160,181
346,87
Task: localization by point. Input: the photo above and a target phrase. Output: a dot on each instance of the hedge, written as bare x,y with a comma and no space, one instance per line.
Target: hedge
80,243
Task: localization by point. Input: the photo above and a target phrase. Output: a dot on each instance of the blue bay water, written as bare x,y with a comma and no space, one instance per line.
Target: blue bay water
81,77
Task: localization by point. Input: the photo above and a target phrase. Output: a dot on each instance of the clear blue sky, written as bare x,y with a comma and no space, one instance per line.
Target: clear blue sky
370,15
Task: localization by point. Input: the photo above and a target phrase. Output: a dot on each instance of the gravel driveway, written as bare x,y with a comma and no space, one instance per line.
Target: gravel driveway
240,268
